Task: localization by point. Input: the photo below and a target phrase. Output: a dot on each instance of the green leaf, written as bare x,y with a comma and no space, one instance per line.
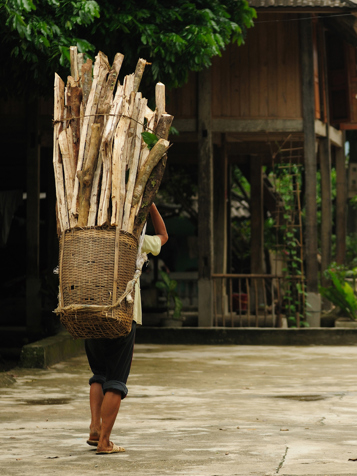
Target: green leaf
161,285
178,307
172,285
149,139
166,279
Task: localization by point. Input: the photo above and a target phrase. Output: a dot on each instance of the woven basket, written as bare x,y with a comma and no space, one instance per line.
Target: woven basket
91,261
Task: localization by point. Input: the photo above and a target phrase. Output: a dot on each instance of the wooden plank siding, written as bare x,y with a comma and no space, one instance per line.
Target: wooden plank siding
260,79
182,102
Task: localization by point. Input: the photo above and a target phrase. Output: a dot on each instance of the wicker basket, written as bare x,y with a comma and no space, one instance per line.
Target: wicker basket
91,261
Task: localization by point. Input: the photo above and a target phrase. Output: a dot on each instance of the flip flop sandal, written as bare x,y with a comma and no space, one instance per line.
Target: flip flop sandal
92,442
114,449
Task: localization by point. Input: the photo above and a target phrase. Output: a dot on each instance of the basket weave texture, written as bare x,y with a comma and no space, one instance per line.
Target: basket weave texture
87,275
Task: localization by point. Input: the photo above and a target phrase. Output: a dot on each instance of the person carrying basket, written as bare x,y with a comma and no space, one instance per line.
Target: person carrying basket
110,360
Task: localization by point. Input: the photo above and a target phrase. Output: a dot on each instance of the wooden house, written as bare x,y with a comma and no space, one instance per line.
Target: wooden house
294,79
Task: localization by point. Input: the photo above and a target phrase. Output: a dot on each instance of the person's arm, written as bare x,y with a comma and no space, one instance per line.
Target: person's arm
159,224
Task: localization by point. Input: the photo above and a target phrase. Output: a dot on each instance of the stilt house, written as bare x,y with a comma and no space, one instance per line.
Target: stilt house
286,96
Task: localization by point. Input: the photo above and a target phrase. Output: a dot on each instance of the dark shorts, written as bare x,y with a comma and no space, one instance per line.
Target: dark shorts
110,361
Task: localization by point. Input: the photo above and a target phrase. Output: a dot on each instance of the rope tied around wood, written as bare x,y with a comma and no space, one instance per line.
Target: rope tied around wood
145,126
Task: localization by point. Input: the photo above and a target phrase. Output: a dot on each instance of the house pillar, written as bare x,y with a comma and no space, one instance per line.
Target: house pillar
326,205
341,205
33,298
308,107
220,223
256,216
205,201
351,212
257,231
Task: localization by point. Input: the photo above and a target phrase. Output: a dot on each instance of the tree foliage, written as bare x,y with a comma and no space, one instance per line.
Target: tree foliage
36,36
175,37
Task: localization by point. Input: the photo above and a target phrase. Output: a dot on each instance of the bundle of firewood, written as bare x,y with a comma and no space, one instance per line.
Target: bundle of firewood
105,172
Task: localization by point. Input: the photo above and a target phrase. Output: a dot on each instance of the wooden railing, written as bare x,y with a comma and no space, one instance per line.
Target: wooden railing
257,300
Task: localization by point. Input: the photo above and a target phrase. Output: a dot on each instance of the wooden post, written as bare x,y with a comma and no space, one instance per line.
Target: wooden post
205,201
256,216
257,229
33,298
326,205
229,218
351,212
341,205
308,107
220,219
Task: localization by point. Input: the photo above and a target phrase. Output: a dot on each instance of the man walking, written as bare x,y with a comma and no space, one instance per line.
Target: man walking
110,360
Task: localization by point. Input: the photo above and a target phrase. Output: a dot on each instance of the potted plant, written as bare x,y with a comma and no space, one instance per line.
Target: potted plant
173,317
342,295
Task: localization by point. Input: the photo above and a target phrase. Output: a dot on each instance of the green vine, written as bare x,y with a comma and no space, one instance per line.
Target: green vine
288,224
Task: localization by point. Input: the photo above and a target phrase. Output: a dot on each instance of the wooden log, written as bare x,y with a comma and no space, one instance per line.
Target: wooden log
92,216
74,99
124,161
128,84
155,155
130,142
163,127
73,167
139,71
80,62
58,223
64,116
150,115
106,98
65,143
86,80
86,175
57,163
101,69
135,122
160,100
118,164
106,150
129,211
133,168
152,185
73,54
150,118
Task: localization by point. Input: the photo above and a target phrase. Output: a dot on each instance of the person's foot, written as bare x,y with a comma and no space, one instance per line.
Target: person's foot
93,440
94,436
112,448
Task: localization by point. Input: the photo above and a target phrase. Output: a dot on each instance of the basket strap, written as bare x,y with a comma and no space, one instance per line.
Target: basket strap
116,265
60,269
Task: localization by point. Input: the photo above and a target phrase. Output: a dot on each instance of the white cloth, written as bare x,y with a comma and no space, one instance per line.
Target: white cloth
151,244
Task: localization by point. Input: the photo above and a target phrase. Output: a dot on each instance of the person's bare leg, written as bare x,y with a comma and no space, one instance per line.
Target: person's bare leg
95,399
109,412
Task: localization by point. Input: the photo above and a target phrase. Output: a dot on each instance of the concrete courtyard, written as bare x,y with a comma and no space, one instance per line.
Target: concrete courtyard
191,410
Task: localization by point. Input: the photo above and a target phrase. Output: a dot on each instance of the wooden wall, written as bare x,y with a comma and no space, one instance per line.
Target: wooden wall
182,102
260,79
